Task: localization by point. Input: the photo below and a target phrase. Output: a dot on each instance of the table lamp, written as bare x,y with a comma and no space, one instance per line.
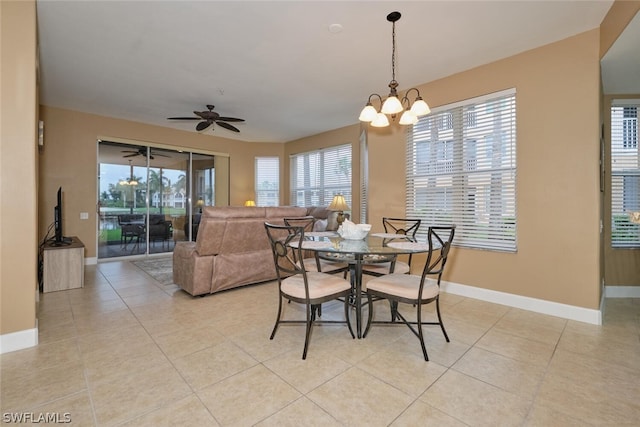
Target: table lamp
339,204
200,204
250,203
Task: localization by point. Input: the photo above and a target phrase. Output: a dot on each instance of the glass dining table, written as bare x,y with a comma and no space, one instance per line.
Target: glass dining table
375,248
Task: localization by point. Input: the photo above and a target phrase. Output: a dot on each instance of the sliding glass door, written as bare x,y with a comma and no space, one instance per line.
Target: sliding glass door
145,197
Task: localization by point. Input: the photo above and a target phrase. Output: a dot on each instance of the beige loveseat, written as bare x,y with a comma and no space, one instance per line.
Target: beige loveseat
232,248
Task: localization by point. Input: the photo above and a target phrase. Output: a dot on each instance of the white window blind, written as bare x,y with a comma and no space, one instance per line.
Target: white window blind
364,178
461,169
625,173
267,184
316,176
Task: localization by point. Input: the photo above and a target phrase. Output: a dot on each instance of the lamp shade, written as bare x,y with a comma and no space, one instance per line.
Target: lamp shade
420,108
408,118
250,203
392,105
200,202
338,203
380,121
368,113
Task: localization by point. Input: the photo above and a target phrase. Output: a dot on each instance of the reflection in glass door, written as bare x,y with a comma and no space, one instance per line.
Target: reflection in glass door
144,198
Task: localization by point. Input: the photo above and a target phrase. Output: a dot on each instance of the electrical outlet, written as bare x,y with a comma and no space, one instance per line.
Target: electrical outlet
84,215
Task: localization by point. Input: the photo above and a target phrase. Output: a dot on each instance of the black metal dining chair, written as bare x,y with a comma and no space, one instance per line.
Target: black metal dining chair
413,289
401,227
295,283
312,262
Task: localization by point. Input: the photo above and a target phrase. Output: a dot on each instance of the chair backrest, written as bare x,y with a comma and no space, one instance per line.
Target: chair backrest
439,239
404,226
282,238
306,222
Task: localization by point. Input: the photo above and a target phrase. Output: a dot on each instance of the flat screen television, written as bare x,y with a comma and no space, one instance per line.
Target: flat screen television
59,238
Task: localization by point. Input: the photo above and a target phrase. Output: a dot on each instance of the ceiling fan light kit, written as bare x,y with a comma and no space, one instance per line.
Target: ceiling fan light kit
208,118
394,105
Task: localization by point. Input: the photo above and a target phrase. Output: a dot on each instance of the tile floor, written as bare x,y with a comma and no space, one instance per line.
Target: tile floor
126,350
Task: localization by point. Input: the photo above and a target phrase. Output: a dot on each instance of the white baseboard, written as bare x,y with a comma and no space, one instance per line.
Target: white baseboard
91,261
551,308
622,291
18,340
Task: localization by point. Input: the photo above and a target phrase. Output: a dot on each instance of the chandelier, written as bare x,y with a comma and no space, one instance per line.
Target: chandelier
394,105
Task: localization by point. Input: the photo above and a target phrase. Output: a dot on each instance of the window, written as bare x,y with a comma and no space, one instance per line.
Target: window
267,181
625,173
461,169
316,176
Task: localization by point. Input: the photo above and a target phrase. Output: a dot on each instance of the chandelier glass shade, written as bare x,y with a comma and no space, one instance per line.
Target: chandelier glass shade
393,104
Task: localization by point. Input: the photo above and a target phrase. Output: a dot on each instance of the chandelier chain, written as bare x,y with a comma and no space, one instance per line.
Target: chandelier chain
393,51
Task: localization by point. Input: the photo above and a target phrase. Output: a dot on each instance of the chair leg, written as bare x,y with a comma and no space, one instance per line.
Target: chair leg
310,316
346,315
393,306
446,337
275,327
421,334
370,316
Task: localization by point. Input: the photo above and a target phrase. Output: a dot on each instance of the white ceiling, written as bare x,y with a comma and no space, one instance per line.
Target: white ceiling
275,63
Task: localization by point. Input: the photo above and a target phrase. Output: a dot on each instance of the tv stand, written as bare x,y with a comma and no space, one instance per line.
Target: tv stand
63,265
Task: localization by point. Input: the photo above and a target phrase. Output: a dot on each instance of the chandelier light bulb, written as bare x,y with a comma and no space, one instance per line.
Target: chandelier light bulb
408,118
420,107
368,113
392,105
380,121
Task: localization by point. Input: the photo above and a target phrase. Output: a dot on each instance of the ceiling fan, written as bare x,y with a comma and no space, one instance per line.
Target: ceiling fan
208,118
142,151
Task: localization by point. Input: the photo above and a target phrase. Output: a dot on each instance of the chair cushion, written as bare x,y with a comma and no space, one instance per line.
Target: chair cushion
404,286
320,285
383,268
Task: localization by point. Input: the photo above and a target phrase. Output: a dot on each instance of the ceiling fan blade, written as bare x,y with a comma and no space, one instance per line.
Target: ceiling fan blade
132,155
203,125
230,119
227,126
184,118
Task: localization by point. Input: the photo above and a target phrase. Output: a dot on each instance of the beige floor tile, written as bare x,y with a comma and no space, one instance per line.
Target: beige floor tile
507,374
604,347
185,342
475,402
213,364
589,404
76,409
301,412
406,371
187,412
355,395
43,385
110,362
533,326
522,349
248,397
89,323
541,416
32,360
305,375
126,397
421,414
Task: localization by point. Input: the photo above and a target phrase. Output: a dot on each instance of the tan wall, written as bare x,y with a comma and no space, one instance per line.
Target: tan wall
557,178
616,20
18,207
69,159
